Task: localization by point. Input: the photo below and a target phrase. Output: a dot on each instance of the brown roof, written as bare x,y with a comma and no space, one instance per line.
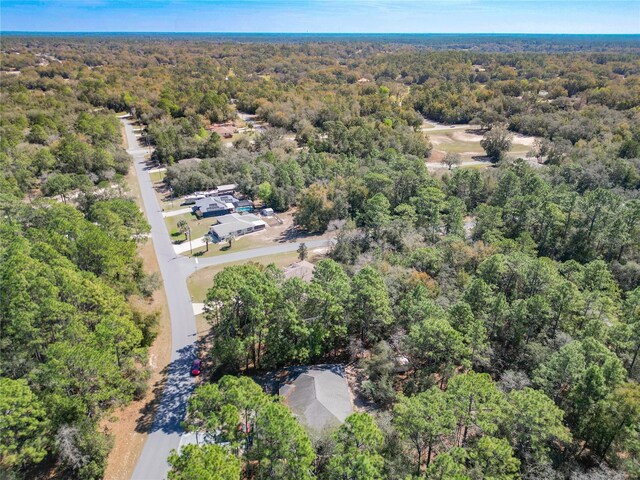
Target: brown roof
222,129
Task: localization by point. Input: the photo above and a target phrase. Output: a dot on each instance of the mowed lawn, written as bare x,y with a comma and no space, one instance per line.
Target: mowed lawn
245,242
157,177
200,282
198,227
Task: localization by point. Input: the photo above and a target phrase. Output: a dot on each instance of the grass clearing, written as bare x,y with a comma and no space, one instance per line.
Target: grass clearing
198,227
157,177
200,282
465,141
246,242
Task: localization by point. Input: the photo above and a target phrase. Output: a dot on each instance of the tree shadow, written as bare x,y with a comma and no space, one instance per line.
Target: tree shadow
476,131
168,407
294,233
483,158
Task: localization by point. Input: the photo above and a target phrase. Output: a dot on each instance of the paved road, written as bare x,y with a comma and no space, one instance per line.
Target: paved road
165,432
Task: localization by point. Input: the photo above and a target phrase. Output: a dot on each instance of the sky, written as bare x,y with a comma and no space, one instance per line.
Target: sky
323,16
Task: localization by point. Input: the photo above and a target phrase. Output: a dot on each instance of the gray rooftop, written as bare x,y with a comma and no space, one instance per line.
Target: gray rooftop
233,222
318,396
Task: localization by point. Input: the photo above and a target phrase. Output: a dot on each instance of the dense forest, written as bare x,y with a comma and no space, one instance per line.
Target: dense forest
512,290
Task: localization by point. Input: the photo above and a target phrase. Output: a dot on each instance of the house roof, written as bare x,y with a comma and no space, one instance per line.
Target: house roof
212,203
209,193
234,222
227,187
302,270
227,129
318,396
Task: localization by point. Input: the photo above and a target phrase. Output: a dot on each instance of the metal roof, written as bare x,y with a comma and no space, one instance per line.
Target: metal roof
232,223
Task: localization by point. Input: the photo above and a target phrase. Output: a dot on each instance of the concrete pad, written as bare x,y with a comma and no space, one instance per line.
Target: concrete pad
198,308
174,213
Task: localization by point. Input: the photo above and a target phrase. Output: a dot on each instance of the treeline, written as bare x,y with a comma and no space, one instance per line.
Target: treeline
512,292
273,445
53,141
514,273
72,346
343,98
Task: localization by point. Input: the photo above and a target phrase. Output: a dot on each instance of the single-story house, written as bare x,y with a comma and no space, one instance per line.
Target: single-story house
212,207
235,225
225,130
302,270
318,396
226,189
221,205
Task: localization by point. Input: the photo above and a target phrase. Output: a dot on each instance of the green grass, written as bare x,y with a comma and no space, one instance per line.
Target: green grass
461,147
200,282
198,227
157,177
517,148
246,242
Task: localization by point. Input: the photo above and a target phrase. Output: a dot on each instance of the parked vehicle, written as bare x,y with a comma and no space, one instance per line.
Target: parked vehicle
196,368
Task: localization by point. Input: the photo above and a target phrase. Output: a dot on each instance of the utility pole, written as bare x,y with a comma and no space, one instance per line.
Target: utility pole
190,244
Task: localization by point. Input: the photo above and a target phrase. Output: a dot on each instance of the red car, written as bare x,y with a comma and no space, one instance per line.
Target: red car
195,368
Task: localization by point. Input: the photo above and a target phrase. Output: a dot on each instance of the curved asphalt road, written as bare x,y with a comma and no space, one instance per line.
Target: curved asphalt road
165,432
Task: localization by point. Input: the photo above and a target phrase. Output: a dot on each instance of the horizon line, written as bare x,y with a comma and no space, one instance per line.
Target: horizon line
145,32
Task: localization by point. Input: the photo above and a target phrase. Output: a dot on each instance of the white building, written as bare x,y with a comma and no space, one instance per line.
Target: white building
235,225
